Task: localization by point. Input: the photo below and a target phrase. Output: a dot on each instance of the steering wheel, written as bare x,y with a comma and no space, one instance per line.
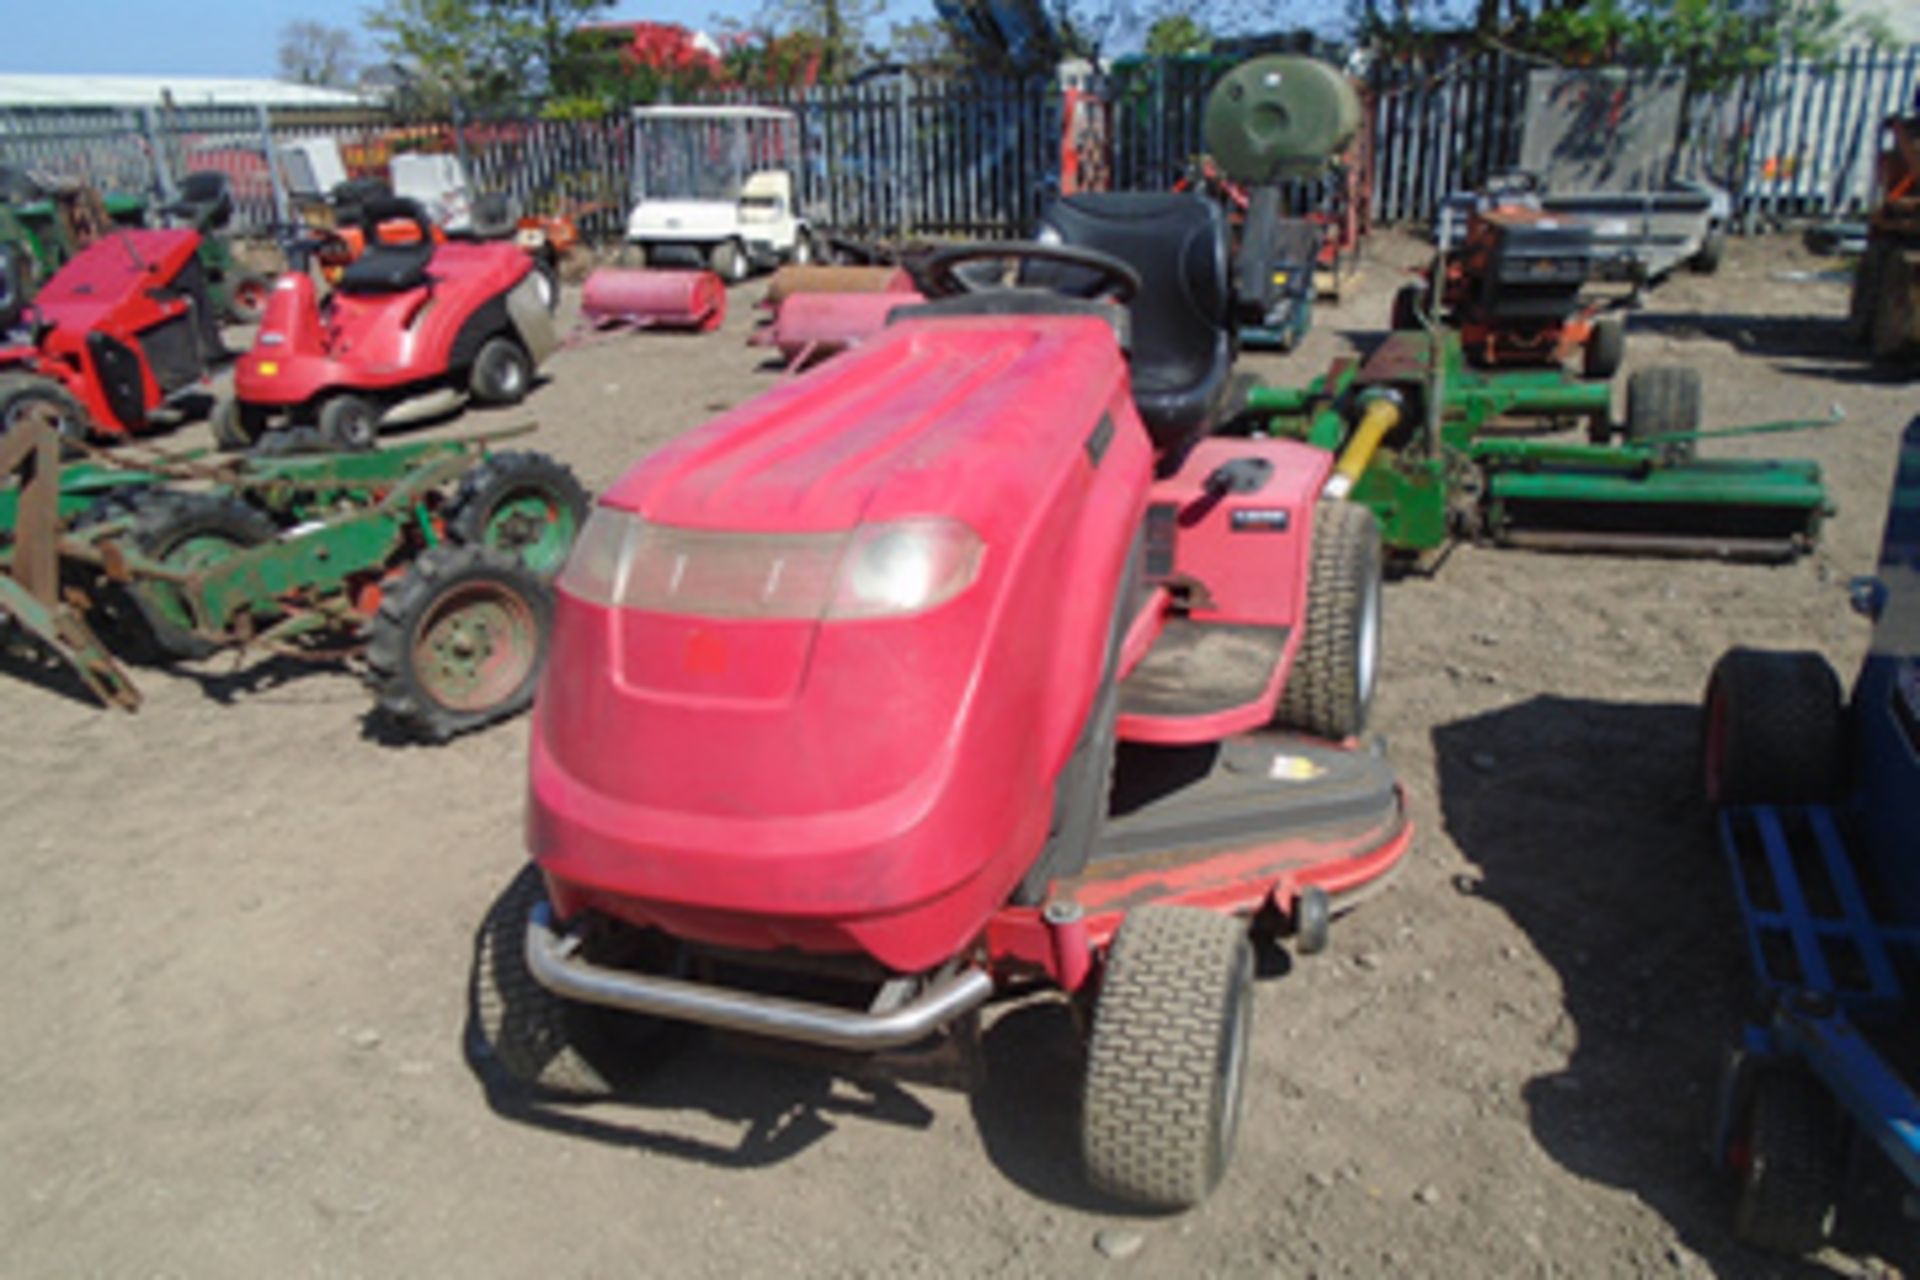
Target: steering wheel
939,275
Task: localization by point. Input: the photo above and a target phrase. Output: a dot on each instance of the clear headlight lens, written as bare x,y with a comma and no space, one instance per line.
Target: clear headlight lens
875,571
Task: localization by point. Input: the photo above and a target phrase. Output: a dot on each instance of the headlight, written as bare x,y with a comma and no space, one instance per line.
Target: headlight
874,571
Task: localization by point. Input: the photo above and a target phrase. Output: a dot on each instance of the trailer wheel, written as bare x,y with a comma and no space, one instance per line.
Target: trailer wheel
1166,1066
1606,347
729,261
502,372
237,426
1330,689
1771,729
20,393
539,1039
350,423
526,504
458,641
1794,1165
1664,400
247,300
1892,330
186,531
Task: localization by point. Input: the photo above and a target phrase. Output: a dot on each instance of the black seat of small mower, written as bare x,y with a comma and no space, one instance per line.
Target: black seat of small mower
206,197
1182,331
386,267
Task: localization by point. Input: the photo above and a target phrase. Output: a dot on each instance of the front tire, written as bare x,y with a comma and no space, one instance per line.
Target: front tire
1606,347
1661,401
247,300
1329,691
459,641
1166,1066
351,424
728,261
538,1039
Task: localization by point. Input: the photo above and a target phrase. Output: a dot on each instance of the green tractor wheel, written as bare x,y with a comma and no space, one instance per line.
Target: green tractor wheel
459,641
525,504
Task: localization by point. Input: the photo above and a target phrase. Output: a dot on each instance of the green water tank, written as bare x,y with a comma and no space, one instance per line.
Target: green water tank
1280,116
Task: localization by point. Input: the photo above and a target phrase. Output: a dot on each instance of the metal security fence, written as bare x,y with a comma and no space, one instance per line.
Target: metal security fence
904,155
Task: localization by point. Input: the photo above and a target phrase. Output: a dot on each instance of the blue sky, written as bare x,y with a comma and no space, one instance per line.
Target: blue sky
234,37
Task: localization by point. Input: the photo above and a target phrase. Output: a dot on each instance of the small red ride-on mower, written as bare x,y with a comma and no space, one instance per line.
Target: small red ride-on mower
836,684
119,334
1515,286
412,329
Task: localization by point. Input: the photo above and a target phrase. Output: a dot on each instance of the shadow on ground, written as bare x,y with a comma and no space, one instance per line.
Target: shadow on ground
1800,345
1583,822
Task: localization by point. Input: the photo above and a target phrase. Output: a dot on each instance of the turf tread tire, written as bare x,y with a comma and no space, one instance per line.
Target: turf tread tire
1771,729
1664,400
538,1039
1159,1114
1606,347
164,520
1790,1191
1329,689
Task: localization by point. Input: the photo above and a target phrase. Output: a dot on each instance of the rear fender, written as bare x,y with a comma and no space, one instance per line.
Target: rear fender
531,320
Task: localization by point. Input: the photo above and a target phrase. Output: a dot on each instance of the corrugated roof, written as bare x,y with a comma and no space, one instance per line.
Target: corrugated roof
17,90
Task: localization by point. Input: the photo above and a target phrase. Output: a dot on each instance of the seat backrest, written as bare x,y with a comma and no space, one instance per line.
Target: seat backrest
1181,324
388,266
206,195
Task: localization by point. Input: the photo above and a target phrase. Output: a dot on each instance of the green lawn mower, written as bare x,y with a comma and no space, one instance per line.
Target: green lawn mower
429,563
1440,450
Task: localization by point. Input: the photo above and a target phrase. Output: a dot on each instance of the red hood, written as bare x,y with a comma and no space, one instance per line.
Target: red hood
931,416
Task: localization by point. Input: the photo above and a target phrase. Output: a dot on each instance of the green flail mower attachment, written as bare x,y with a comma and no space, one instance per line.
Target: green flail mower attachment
1440,450
431,562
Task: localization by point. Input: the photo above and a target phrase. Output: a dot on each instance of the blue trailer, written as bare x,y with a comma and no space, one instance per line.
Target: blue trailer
1817,801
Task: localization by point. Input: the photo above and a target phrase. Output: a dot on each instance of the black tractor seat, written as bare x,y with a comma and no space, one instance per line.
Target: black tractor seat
1182,326
387,267
206,200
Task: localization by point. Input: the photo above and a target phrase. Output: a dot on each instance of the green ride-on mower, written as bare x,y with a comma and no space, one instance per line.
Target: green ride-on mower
1440,450
430,563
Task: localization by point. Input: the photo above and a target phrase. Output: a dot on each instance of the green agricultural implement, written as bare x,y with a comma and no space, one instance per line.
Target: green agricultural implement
429,564
1442,451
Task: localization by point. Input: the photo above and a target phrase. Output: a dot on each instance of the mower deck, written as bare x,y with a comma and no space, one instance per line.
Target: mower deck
1223,823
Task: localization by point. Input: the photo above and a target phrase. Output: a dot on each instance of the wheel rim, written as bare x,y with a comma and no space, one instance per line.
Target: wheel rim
533,528
475,647
63,425
251,296
509,377
190,554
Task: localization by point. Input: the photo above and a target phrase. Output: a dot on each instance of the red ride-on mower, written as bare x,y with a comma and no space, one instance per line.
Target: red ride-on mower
412,329
1515,289
119,335
836,684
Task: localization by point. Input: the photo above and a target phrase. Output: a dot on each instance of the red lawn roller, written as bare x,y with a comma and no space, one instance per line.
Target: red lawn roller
645,298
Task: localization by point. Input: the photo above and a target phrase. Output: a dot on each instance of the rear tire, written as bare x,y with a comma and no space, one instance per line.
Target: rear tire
351,424
1166,1065
1664,400
1771,729
1790,1190
502,372
1330,688
1606,347
20,392
459,641
1713,251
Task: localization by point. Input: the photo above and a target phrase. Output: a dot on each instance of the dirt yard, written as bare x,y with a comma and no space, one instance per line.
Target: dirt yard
241,929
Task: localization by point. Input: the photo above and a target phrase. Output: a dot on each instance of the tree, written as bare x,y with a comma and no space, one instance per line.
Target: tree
315,53
839,27
1175,34
445,52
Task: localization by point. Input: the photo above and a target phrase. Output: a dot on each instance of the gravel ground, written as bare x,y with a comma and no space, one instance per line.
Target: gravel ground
242,928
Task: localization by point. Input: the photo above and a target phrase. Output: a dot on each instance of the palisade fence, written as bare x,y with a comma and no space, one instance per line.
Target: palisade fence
909,156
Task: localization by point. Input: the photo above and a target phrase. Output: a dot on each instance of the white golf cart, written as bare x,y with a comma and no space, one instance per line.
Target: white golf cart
715,186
